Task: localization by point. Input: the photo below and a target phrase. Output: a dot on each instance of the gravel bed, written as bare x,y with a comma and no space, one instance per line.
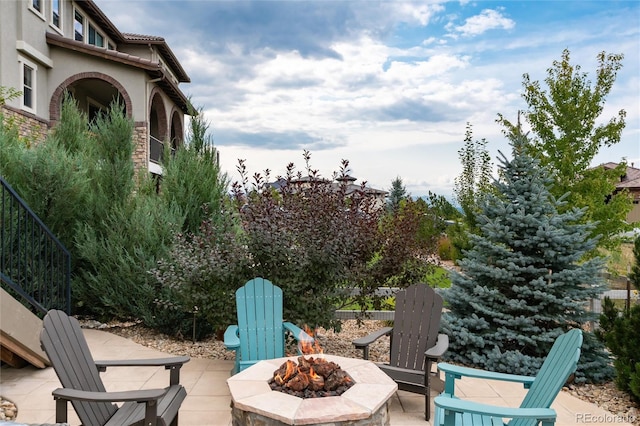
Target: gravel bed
606,396
330,341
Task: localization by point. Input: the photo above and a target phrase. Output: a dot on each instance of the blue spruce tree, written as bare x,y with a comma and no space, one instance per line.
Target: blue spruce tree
524,281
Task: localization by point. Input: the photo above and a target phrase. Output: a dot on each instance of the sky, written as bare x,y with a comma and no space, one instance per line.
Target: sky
387,85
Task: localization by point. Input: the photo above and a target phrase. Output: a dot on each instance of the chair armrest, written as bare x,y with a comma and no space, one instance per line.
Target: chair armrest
364,342
297,332
458,371
442,344
142,395
176,361
372,337
456,405
231,338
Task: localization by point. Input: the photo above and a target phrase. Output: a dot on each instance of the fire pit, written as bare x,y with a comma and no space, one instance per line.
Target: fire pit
364,403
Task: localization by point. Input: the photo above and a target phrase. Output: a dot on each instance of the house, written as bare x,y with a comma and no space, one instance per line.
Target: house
631,182
49,47
347,182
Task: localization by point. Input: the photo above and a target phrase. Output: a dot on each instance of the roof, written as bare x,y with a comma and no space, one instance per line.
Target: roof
91,9
630,180
163,47
347,181
153,68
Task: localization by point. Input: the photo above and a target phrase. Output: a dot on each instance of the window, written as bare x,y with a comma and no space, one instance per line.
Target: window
55,13
37,7
95,37
78,26
28,73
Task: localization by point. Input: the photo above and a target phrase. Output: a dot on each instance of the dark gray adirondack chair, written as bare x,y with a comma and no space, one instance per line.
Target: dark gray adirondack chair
415,342
65,345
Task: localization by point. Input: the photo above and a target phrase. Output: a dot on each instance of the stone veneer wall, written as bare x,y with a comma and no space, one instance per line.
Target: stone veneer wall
246,418
35,131
141,149
31,128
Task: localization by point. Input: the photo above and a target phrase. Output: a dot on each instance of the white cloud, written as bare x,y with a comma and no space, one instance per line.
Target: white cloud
387,85
487,20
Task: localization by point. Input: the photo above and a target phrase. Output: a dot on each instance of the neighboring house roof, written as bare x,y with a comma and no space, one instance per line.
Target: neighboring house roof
153,68
105,23
347,180
630,180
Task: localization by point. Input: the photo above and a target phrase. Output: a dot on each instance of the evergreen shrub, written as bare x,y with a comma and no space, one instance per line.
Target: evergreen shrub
619,330
524,281
445,248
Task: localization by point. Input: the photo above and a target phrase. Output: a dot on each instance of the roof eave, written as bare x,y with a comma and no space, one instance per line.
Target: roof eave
154,69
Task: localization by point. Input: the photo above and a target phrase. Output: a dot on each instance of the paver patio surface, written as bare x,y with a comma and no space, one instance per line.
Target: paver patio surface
208,399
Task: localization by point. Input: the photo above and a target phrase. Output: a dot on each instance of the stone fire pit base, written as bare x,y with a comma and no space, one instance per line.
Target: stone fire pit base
253,402
247,418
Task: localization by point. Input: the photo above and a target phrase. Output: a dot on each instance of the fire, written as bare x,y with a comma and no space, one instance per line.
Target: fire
310,377
291,368
308,347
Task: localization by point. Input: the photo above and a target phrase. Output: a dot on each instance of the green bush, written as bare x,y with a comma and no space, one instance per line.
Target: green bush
445,248
113,280
619,331
192,178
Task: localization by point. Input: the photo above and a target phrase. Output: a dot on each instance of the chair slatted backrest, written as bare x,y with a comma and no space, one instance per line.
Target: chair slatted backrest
65,345
416,323
259,305
560,363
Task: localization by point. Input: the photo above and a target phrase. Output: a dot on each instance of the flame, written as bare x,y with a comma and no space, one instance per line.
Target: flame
307,346
313,374
291,369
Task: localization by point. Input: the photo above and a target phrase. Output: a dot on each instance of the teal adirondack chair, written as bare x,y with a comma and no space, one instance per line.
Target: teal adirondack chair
260,332
560,363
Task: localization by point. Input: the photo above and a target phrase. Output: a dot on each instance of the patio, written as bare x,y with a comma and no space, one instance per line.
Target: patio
208,400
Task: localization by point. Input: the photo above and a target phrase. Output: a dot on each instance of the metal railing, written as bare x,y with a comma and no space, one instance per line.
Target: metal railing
156,150
34,265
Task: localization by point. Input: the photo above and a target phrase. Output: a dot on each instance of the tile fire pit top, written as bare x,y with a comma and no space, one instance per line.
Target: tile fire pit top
250,391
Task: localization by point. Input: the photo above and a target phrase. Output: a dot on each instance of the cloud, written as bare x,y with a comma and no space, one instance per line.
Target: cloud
487,20
286,140
415,110
388,85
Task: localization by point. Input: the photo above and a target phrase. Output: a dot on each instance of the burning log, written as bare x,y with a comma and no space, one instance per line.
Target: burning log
316,381
285,372
298,382
336,379
324,367
310,378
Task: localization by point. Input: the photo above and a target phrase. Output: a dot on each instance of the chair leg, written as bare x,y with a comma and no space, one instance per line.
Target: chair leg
427,390
427,399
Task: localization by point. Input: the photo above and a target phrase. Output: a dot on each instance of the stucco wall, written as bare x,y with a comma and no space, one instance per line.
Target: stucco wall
634,214
19,23
68,63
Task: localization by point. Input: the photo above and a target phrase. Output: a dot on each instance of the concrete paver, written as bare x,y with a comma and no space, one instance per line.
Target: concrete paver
208,398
